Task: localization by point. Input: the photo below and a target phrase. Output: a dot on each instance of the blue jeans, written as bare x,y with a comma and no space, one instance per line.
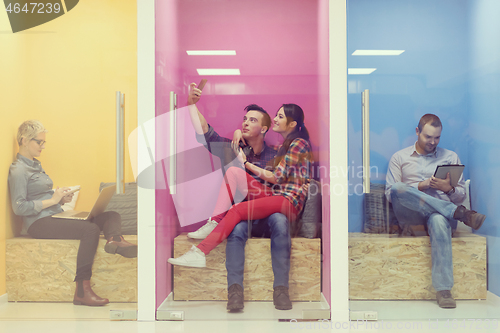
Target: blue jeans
414,207
277,228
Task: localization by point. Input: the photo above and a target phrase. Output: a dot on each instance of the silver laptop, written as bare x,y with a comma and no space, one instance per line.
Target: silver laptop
99,206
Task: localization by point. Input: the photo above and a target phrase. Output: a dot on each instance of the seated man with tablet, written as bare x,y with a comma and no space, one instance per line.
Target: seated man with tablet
424,183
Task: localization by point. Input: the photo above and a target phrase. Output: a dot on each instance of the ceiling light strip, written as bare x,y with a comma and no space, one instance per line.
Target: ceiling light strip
360,71
211,52
377,52
218,71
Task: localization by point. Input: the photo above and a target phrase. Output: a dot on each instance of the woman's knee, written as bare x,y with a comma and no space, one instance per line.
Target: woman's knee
234,171
91,230
111,216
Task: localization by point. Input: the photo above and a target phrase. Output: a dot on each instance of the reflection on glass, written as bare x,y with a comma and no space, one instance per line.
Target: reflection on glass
437,74
278,63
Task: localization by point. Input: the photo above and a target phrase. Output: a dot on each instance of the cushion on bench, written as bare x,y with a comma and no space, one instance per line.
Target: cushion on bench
308,225
125,205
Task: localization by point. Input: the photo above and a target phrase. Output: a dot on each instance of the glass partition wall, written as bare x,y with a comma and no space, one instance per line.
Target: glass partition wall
281,59
73,80
416,58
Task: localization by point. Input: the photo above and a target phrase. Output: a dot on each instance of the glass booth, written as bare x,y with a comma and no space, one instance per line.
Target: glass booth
409,59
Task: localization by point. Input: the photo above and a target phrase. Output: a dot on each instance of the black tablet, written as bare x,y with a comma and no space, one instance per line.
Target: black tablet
455,171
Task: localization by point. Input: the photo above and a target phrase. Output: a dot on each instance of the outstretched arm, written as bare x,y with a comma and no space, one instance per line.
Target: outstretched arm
199,122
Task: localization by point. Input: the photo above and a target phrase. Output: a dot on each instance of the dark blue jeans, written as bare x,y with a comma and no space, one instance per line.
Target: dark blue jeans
277,228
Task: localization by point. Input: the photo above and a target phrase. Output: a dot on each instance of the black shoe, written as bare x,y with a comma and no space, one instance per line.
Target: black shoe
470,217
235,297
281,298
445,300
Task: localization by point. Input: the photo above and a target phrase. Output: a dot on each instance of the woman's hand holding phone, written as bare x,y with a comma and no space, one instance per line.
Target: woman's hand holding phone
59,193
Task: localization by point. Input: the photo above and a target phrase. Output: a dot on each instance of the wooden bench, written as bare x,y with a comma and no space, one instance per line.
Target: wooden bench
388,267
43,270
210,283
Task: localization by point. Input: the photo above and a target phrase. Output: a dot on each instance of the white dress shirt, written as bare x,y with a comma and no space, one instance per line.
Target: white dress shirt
411,168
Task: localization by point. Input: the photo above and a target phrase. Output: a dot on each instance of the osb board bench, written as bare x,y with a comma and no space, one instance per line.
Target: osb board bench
43,270
388,267
210,283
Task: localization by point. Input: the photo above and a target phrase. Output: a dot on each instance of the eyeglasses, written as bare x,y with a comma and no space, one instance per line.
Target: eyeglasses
40,142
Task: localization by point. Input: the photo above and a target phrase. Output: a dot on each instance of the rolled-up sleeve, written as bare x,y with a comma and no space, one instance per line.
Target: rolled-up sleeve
214,142
393,176
204,138
210,136
459,195
18,186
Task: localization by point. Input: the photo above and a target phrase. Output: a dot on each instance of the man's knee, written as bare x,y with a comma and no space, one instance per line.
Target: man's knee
398,188
240,232
278,223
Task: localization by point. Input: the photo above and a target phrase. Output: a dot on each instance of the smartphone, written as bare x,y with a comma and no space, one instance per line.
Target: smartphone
72,191
202,83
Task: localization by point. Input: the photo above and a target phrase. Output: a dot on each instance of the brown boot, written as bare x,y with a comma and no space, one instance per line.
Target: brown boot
470,217
235,298
281,298
84,295
117,244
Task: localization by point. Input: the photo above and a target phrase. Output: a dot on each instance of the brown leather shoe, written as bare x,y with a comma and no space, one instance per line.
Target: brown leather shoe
84,295
445,300
281,298
235,297
122,247
470,217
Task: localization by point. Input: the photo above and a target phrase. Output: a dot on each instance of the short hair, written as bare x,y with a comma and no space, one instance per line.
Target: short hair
29,130
266,119
429,118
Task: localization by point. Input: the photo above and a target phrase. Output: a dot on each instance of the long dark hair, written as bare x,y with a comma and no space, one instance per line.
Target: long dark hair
293,112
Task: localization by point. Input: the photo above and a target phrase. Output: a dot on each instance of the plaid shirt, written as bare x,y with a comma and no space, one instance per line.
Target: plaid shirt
293,173
221,147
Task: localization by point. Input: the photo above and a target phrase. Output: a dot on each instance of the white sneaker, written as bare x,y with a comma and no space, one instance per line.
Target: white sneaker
204,231
192,258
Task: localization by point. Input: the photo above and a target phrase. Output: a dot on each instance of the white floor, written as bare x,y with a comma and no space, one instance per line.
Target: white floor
58,311
426,310
226,327
216,310
68,318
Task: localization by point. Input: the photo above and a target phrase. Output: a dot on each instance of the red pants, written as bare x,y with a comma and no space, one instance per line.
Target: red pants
261,204
238,185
